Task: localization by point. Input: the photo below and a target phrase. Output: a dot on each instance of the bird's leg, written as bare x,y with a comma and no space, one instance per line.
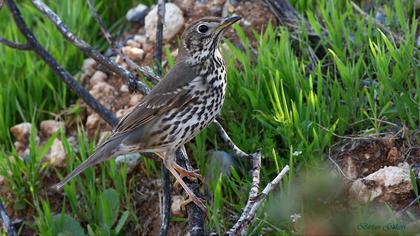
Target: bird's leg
192,197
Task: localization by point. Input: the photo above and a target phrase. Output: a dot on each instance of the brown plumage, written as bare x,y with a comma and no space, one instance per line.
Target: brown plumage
179,106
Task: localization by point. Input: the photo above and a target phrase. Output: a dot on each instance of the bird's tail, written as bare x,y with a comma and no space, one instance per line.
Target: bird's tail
102,153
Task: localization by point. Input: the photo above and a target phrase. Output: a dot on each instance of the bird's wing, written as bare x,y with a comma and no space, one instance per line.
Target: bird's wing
172,91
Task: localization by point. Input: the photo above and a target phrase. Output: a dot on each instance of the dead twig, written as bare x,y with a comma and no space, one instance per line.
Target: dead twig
228,141
18,46
255,199
7,224
89,50
166,203
57,68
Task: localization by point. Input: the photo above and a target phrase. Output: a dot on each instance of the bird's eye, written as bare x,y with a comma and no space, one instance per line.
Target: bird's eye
203,28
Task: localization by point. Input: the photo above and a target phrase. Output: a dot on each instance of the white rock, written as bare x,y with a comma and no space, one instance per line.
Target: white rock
133,43
137,14
383,185
124,88
98,77
130,159
135,99
174,21
49,127
176,209
140,39
92,123
57,154
22,131
88,66
133,53
104,93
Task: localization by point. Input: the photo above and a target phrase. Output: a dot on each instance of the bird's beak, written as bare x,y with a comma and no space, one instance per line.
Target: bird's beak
227,22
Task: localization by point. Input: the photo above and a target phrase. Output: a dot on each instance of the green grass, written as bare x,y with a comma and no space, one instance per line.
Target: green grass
273,102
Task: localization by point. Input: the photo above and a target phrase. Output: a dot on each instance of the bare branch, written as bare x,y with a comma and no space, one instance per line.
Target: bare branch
254,201
14,45
7,224
166,203
228,141
98,19
89,50
57,68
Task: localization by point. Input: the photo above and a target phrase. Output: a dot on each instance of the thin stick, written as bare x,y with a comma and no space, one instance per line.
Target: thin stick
250,210
7,224
89,50
57,68
228,141
14,45
166,203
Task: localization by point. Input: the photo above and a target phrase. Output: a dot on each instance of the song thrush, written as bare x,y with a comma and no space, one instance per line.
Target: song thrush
179,106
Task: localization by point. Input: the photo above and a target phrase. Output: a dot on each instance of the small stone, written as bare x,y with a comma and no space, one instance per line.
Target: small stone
122,112
57,154
98,77
135,99
131,161
124,88
137,14
176,209
22,131
104,93
88,67
93,123
141,39
133,43
133,53
49,127
173,23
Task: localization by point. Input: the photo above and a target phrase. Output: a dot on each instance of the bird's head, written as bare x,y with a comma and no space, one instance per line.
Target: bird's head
202,37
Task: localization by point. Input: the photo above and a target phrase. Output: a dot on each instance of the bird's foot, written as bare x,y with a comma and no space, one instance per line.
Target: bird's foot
196,200
190,174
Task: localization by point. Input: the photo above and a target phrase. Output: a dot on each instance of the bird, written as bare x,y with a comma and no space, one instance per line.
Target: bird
182,104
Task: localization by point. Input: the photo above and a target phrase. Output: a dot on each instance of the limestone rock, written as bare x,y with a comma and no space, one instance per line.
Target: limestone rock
173,23
22,132
386,184
133,53
104,93
93,123
49,127
135,99
176,209
98,77
57,155
140,39
124,88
